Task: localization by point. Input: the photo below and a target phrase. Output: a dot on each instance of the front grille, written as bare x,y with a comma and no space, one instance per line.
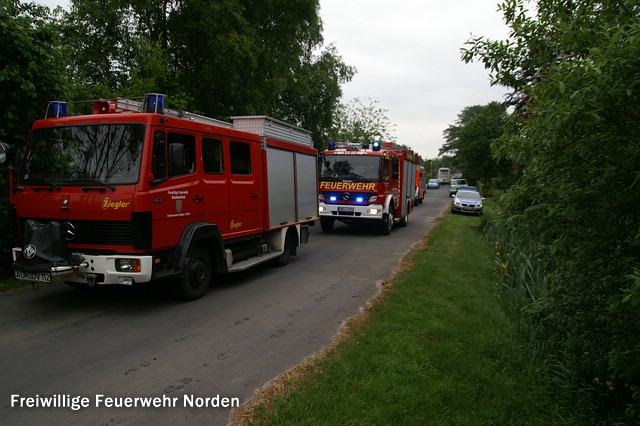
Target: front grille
97,232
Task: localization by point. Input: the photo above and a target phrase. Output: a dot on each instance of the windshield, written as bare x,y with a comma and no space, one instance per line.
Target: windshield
354,167
469,195
80,155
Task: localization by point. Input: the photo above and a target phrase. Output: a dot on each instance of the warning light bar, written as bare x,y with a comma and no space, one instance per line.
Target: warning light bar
57,109
154,102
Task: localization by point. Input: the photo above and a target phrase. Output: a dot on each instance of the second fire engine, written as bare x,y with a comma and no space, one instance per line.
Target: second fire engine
373,185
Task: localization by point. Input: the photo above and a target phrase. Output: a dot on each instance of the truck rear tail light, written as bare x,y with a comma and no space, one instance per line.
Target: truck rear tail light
128,265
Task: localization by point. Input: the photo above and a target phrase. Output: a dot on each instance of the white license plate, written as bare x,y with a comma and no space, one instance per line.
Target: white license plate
345,209
34,276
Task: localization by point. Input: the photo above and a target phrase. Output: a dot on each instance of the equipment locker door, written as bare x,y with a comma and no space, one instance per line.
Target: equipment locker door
246,192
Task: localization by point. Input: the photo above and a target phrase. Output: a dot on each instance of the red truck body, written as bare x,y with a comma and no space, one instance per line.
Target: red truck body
134,192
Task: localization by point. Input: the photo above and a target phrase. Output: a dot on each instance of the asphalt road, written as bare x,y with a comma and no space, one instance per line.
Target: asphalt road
92,349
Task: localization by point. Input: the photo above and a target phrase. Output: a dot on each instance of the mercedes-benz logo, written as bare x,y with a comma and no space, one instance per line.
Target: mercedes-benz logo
69,232
346,196
29,251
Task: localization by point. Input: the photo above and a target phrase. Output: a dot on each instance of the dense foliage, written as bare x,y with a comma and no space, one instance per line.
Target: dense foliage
568,233
220,58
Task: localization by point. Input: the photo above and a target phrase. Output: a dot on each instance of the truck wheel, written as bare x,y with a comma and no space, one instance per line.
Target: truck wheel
405,219
387,223
196,277
326,224
289,241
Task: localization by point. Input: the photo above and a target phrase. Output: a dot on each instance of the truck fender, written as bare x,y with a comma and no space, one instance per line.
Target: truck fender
200,232
277,239
389,204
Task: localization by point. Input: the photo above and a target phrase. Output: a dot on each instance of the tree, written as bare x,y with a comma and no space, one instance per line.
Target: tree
573,66
33,66
470,139
220,58
359,123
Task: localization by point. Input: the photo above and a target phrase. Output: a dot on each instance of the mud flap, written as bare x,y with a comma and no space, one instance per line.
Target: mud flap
43,247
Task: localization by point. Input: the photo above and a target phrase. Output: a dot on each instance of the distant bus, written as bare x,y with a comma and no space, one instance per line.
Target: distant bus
444,175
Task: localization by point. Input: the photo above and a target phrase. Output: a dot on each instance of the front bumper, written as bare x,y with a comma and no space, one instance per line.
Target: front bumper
465,208
350,212
92,270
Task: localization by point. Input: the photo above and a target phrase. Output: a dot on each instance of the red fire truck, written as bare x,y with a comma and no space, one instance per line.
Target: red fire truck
372,185
135,192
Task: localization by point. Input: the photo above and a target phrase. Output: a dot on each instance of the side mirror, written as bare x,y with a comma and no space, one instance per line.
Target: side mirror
5,153
9,158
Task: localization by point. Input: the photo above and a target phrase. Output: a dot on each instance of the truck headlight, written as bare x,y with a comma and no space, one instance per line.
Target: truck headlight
128,265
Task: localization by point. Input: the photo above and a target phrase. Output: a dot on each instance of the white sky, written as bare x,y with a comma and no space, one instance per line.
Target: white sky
407,56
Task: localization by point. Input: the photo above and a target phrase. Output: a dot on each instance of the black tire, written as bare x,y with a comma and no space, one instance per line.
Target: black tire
289,242
196,277
327,224
405,220
387,223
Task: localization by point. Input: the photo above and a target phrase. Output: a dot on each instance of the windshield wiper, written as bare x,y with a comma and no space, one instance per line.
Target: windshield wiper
93,183
40,181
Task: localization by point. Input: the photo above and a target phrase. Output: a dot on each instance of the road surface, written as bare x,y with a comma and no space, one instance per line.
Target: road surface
96,354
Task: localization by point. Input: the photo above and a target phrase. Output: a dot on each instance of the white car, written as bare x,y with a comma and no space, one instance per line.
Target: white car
433,184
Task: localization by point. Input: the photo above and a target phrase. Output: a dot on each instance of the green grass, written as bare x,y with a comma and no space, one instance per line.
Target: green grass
434,349
10,283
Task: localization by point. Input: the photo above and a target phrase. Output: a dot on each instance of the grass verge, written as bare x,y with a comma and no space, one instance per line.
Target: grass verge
10,283
435,347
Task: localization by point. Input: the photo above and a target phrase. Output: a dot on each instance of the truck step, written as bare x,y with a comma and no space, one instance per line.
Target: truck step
248,263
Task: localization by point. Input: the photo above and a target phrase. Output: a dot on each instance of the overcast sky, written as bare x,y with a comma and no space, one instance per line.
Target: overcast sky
407,56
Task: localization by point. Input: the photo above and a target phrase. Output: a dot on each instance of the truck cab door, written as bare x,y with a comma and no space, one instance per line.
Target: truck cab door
176,192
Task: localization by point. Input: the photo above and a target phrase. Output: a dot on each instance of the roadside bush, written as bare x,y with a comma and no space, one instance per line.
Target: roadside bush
577,319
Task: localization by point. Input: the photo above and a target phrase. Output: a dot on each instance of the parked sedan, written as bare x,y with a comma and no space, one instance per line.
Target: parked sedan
433,184
467,202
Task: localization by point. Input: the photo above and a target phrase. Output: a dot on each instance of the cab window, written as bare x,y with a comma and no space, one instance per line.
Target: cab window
181,154
212,156
240,156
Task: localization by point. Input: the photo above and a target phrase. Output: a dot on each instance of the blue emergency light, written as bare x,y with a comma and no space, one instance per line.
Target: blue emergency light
359,199
332,145
57,109
376,146
154,102
333,198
